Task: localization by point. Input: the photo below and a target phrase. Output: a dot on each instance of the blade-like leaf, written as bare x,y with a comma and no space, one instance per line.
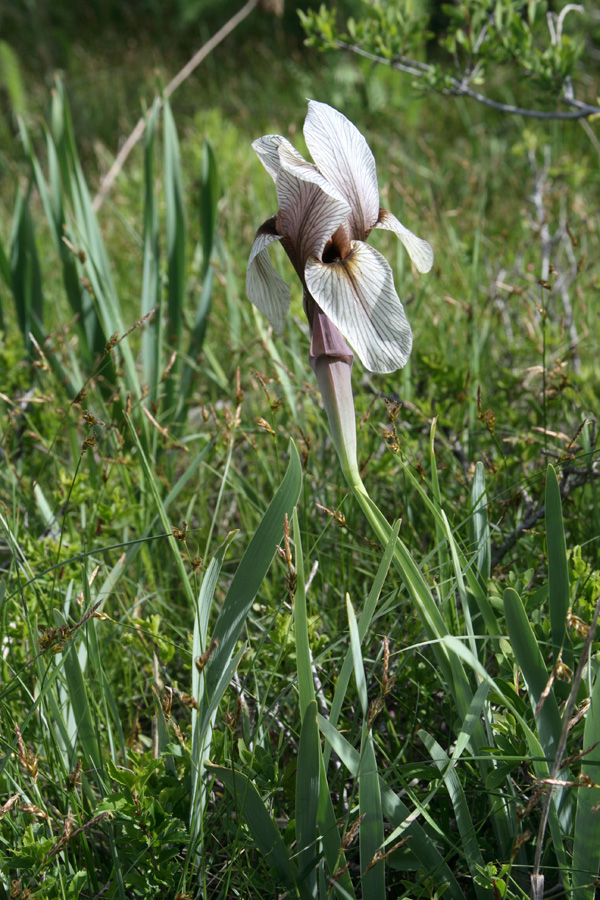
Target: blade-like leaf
209,197
151,293
397,812
558,569
25,273
263,829
253,568
363,626
359,669
175,226
586,846
480,526
306,689
535,673
79,700
460,804
371,835
307,798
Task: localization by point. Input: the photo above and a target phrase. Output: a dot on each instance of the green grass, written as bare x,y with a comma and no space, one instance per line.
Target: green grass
130,541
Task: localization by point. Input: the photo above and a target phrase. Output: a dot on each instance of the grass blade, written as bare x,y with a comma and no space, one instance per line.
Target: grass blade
359,669
253,568
363,626
79,701
25,274
210,190
371,834
174,224
307,798
586,845
202,730
306,688
397,813
558,569
531,663
150,267
461,807
480,527
261,825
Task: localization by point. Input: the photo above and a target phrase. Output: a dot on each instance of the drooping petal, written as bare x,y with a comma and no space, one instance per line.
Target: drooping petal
358,295
343,156
267,150
310,209
418,249
265,288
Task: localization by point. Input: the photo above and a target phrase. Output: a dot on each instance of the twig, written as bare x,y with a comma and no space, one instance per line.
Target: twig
110,177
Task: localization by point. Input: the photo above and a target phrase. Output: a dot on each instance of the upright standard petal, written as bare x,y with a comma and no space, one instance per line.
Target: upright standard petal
343,156
418,249
267,150
358,295
265,288
310,210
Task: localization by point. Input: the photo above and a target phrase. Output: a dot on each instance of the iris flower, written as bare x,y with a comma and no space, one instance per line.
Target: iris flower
327,210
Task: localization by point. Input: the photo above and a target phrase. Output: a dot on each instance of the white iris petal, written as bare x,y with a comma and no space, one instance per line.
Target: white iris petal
310,209
358,295
267,150
345,159
265,288
418,249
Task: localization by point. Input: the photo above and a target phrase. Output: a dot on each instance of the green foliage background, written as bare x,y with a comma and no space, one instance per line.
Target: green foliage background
123,530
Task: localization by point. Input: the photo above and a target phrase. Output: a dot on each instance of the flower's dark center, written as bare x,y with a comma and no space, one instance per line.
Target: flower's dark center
338,247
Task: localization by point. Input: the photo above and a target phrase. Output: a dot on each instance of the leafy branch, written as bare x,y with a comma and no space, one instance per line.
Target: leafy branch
482,35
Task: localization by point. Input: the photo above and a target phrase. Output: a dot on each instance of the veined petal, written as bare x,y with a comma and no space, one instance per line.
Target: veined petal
418,249
358,295
310,209
267,150
343,156
265,288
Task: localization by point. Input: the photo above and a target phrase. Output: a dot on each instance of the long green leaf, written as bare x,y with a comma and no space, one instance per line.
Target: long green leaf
460,804
586,843
371,835
260,823
307,798
558,569
175,225
150,267
79,701
363,626
306,688
480,526
253,568
201,722
397,813
210,190
534,671
357,660
25,273
372,874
